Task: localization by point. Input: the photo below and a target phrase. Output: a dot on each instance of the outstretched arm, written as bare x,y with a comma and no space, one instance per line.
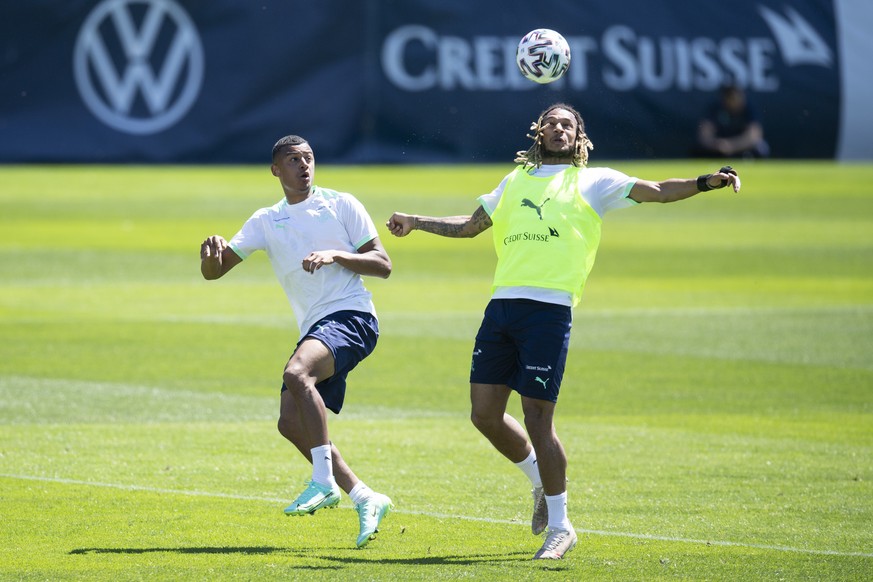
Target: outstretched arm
451,226
676,189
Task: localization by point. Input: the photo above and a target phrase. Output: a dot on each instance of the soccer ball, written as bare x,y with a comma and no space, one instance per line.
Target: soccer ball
543,55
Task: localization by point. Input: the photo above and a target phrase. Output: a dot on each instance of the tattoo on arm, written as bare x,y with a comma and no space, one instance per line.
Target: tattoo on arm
480,221
455,226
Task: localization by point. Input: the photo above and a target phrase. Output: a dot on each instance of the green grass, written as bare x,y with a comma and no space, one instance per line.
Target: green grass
717,409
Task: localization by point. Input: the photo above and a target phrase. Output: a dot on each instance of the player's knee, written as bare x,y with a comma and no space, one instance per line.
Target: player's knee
296,379
537,423
538,420
538,411
483,421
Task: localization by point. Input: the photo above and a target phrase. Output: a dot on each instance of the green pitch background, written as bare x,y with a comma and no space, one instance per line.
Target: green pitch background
716,409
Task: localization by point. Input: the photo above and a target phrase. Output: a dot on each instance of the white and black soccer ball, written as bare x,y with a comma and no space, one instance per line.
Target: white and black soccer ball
543,55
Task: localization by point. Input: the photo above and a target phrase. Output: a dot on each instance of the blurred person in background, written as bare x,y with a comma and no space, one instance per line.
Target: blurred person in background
731,128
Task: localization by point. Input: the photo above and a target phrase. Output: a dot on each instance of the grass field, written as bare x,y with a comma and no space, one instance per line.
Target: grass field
717,408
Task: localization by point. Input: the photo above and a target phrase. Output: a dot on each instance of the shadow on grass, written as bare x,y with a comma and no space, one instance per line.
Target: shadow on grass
323,554
255,550
463,560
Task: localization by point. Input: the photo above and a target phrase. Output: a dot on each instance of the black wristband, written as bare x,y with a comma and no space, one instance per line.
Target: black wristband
703,183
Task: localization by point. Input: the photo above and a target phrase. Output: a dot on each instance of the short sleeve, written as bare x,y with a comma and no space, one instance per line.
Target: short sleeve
250,237
490,201
357,221
611,191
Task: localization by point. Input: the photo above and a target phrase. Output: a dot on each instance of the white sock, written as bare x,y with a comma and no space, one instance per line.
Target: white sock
557,505
322,465
360,493
531,469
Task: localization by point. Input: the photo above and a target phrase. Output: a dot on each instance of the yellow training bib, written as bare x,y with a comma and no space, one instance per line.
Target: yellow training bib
545,233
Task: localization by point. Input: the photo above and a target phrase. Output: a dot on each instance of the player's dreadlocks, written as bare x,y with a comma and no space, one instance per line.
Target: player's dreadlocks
533,157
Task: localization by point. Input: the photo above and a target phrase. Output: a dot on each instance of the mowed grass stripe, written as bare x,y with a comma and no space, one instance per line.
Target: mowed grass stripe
490,520
822,335
35,401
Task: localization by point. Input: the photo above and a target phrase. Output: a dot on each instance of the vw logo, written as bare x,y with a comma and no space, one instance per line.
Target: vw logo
138,64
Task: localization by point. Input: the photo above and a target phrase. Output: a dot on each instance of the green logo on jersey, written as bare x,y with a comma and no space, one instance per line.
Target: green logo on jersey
526,202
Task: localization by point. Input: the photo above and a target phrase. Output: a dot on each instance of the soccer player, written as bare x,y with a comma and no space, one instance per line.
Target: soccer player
545,218
319,242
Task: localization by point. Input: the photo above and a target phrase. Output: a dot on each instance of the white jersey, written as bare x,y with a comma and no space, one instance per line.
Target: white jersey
603,189
326,220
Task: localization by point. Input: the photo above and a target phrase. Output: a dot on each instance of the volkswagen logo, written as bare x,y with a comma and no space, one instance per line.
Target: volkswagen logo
138,64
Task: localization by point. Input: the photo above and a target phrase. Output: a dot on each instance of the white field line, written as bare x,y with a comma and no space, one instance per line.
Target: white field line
595,532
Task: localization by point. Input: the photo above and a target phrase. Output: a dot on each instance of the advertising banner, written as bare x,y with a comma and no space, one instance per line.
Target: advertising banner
403,81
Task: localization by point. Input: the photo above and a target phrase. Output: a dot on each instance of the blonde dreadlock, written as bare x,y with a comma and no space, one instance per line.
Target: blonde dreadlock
533,157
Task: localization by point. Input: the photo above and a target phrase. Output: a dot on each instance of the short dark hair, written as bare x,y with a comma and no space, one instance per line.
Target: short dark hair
287,141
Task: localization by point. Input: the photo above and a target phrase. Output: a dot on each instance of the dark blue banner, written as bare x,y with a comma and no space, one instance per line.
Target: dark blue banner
218,81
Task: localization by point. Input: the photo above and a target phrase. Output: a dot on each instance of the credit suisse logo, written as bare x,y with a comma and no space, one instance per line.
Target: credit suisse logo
418,57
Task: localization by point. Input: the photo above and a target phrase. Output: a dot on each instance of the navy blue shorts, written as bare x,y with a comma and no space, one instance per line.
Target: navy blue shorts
350,336
523,344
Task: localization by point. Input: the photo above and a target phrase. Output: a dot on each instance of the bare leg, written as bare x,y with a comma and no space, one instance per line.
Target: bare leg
311,363
290,427
552,461
302,415
489,416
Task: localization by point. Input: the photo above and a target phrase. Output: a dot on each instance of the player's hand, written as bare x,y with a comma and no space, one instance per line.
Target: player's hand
317,259
400,224
212,248
724,177
729,176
